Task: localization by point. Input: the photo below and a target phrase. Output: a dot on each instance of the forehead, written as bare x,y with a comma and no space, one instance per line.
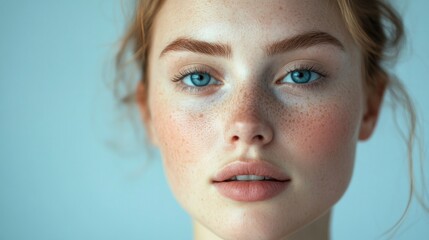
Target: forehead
246,22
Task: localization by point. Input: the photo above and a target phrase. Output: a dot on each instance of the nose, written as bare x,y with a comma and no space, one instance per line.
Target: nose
248,121
250,131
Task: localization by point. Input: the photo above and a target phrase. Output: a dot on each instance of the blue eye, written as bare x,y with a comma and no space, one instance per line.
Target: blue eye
301,76
198,79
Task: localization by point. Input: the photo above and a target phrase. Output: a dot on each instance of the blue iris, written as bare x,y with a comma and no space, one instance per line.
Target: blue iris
200,79
301,76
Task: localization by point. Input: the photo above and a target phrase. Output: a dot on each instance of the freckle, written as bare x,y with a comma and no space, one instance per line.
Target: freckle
201,115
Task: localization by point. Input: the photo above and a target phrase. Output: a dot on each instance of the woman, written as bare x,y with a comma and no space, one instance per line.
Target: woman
257,106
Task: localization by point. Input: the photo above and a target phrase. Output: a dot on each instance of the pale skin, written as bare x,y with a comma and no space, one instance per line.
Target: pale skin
251,111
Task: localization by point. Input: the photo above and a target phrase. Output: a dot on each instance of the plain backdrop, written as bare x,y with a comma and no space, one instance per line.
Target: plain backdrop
69,170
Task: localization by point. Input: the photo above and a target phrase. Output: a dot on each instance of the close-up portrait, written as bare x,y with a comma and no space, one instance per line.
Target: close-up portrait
214,120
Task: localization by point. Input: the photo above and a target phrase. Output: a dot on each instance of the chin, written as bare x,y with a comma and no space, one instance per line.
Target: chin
274,219
254,230
256,223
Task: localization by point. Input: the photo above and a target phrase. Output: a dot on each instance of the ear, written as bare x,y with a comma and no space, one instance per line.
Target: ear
374,98
142,102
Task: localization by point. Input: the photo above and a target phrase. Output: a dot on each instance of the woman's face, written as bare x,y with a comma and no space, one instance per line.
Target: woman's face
272,89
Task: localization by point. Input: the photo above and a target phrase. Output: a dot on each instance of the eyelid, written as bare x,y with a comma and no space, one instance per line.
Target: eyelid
311,66
188,70
185,71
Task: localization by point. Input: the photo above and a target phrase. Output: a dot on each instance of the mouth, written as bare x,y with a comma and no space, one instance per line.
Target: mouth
250,181
250,178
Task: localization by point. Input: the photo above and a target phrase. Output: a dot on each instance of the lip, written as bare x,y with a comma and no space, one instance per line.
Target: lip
250,191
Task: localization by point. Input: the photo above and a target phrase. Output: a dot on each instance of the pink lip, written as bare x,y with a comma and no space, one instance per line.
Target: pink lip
249,191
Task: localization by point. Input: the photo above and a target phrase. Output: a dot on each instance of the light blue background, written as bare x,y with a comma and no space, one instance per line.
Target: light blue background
59,178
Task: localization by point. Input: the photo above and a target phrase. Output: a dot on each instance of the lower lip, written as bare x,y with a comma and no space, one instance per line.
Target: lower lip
250,191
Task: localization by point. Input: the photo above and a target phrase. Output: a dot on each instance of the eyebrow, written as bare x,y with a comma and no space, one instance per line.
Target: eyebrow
197,46
304,40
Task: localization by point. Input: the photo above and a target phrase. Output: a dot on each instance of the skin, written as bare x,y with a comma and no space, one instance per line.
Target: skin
308,131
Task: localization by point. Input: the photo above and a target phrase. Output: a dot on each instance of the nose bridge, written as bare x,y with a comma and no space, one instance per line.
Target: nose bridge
248,103
248,120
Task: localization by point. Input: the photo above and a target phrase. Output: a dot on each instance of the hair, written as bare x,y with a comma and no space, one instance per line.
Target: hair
375,27
137,39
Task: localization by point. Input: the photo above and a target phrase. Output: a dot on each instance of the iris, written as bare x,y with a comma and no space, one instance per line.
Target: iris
200,79
301,76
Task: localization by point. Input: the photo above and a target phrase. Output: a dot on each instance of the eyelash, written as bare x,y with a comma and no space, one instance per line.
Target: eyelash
184,73
305,67
299,67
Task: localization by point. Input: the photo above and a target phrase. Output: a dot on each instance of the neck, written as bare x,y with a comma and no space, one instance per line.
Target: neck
317,230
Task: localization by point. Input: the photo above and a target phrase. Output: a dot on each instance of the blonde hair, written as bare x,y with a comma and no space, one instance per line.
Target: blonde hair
374,25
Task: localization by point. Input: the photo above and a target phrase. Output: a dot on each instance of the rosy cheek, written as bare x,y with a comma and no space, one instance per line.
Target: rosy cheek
323,146
183,139
327,129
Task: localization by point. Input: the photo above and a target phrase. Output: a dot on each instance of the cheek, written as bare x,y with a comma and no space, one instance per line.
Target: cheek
328,128
183,138
323,141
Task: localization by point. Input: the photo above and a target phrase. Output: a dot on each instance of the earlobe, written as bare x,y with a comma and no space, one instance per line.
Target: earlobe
373,103
141,99
367,126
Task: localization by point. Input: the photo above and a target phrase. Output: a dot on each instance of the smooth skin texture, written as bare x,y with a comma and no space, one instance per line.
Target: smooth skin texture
251,111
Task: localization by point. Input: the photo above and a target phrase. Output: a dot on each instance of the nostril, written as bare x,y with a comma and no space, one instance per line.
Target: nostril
252,132
259,137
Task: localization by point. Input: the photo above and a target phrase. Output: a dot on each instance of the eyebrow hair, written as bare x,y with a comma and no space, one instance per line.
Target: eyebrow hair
197,46
301,41
224,50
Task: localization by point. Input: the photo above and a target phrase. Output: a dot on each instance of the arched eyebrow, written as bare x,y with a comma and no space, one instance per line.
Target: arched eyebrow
197,46
304,40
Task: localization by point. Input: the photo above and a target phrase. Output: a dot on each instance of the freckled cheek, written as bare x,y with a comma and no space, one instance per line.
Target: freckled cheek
326,129
324,142
183,138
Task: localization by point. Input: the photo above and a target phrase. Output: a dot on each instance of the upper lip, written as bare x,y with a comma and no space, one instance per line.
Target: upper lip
259,168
